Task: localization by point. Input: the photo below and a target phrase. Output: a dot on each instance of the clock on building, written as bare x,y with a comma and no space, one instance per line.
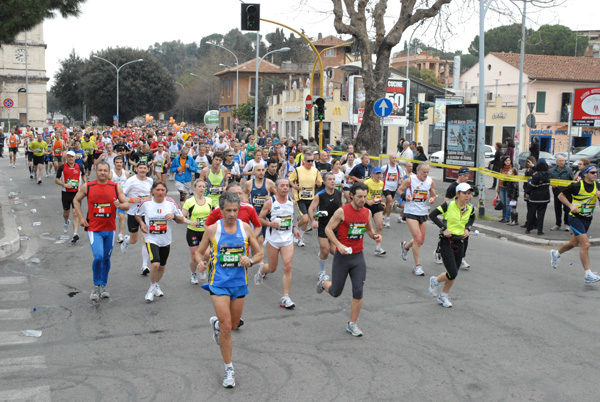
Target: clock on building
20,55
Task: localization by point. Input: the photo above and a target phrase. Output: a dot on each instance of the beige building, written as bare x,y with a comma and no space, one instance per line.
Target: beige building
25,60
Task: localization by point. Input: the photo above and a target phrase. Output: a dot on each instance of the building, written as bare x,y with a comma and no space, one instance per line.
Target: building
548,86
424,60
593,49
22,61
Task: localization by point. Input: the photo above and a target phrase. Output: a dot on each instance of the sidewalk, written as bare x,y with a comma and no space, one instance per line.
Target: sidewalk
10,241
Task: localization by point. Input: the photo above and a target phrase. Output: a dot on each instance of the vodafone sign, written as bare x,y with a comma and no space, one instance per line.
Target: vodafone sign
586,107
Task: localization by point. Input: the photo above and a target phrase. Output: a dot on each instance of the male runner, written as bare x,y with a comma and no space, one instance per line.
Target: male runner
104,197
229,240
257,192
351,221
38,147
323,166
69,176
119,175
88,147
374,200
392,178
13,142
183,166
280,238
271,172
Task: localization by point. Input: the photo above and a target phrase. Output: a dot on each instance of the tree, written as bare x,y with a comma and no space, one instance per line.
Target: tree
145,87
555,40
354,18
22,15
506,38
429,76
68,84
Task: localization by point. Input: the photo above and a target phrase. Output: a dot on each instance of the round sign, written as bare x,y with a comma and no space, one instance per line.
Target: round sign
8,103
308,102
47,121
211,119
273,127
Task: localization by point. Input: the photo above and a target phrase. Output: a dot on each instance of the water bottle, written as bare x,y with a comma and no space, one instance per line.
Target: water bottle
24,238
24,204
31,332
19,228
349,250
35,260
33,211
63,237
36,224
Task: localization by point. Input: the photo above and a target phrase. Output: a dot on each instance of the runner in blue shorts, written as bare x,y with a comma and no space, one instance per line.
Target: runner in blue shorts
229,240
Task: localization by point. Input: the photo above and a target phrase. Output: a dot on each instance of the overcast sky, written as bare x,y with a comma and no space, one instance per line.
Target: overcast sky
140,24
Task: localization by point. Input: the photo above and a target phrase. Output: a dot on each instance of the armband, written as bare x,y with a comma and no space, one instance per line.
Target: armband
131,200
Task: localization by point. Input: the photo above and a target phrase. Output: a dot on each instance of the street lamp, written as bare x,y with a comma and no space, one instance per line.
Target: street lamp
237,74
283,49
118,69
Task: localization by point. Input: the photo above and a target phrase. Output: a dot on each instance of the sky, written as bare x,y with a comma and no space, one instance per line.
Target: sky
140,24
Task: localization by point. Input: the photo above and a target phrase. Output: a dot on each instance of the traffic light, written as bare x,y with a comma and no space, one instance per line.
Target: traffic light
307,115
250,17
411,111
252,113
423,108
320,102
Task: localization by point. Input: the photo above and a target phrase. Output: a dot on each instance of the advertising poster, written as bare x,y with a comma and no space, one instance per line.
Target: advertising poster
397,91
439,113
357,98
461,138
586,107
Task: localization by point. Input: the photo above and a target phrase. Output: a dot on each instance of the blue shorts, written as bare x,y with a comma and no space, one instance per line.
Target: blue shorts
579,226
234,292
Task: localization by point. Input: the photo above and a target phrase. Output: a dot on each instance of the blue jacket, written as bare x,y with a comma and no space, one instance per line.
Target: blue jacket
186,176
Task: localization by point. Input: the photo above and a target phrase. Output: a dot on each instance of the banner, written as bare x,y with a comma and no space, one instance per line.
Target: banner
586,107
461,138
439,112
397,91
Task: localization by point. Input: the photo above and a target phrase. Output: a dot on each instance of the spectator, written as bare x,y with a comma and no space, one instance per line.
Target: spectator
561,212
534,148
510,148
530,163
539,197
420,156
497,164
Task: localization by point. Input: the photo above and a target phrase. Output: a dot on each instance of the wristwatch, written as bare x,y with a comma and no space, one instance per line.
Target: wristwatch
251,262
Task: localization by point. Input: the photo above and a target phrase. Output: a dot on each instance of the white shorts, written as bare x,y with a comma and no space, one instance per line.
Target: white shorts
183,187
279,244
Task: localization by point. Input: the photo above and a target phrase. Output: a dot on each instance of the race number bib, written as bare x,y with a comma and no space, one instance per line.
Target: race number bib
259,201
230,257
101,210
217,191
159,165
285,222
356,230
306,193
74,183
143,159
57,151
392,177
420,196
587,209
201,222
377,198
157,226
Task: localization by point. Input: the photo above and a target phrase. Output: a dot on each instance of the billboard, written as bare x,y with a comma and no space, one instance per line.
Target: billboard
586,107
439,112
397,91
461,138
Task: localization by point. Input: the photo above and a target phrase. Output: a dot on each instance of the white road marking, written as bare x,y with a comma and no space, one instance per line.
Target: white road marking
13,280
22,363
14,295
15,314
35,394
15,338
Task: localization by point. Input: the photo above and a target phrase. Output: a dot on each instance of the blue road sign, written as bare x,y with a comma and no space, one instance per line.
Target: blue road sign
115,117
383,107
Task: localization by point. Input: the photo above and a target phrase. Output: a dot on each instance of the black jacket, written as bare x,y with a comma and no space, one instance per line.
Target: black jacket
497,163
539,187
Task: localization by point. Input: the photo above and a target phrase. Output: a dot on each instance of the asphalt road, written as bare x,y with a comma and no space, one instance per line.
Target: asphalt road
519,330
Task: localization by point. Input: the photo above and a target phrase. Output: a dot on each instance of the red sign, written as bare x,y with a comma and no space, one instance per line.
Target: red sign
308,102
8,103
586,106
361,112
236,121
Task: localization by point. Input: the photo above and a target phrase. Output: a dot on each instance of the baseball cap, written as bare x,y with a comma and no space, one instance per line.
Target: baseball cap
463,170
71,153
463,188
413,143
377,170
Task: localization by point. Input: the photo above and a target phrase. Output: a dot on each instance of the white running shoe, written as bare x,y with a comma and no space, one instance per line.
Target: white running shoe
353,330
591,277
464,264
379,250
213,324
202,275
386,223
434,287
301,242
145,270
150,294
125,243
418,270
554,258
323,278
104,293
404,251
158,291
444,301
95,293
437,257
286,302
258,278
66,226
120,238
229,379
193,279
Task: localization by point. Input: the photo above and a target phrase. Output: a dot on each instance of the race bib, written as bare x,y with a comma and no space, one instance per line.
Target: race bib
101,210
159,165
392,177
306,193
143,159
285,222
420,196
157,226
356,231
173,155
218,191
230,257
377,198
259,201
74,183
587,209
201,222
57,150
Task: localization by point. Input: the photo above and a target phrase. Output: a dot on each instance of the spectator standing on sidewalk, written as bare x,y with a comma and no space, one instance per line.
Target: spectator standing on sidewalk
513,198
561,172
539,197
502,190
530,163
534,148
497,165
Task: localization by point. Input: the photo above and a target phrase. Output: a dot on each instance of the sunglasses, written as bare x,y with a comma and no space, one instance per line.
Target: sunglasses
309,160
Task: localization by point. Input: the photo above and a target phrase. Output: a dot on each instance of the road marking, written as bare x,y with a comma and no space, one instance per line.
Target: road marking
14,295
15,314
14,338
36,394
22,363
13,280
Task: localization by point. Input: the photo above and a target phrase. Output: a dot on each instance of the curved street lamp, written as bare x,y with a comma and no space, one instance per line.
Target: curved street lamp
237,74
117,69
283,49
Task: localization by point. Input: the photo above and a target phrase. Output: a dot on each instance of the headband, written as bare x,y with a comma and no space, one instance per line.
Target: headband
587,169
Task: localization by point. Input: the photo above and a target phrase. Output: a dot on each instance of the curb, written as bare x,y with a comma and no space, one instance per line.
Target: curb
10,243
522,238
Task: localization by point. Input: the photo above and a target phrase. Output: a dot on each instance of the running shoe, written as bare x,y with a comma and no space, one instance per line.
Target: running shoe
321,274
193,279
567,228
418,270
401,220
320,287
404,251
158,291
464,264
379,250
434,287
240,323
213,323
202,275
95,293
66,226
286,302
301,242
437,257
145,270
75,238
386,223
31,176
150,294
554,258
104,293
39,181
353,329
120,238
444,301
229,379
125,243
591,277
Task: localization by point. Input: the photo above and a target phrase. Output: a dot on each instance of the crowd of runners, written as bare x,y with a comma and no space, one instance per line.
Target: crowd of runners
248,200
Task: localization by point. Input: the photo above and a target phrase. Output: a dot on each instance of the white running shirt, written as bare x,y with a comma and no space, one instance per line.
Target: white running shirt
419,190
135,187
159,229
284,213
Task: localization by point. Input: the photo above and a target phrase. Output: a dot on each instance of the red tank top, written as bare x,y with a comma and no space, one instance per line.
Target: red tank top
352,230
101,210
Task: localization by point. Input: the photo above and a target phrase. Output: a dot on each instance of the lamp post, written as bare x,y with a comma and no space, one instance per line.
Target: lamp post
237,74
283,49
117,69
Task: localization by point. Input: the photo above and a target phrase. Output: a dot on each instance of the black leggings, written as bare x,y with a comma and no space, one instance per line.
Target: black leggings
465,245
452,250
344,265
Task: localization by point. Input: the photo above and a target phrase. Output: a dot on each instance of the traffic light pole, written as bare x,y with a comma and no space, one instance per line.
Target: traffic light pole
416,130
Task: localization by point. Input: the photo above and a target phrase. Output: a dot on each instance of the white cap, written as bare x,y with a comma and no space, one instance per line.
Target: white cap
71,153
463,188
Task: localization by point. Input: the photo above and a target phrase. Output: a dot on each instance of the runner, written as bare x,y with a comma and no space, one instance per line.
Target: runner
137,188
402,202
202,160
347,168
304,179
351,222
340,179
374,200
215,177
183,166
88,147
161,163
233,168
420,194
252,163
392,178
257,191
288,166
28,139
13,142
323,166
362,171
38,147
327,201
229,240
69,176
583,195
459,217
119,175
159,211
196,209
280,238
104,197
58,149
271,172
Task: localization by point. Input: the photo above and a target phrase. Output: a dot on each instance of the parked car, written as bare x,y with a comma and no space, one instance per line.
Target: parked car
592,153
564,154
438,157
550,160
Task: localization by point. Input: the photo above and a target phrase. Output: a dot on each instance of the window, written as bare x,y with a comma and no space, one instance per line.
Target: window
22,99
384,140
253,85
540,103
330,53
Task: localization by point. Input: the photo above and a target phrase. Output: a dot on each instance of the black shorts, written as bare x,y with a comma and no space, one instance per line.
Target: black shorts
29,156
38,160
303,206
14,150
375,208
420,218
389,192
89,162
193,237
579,226
321,231
132,224
158,254
67,199
57,158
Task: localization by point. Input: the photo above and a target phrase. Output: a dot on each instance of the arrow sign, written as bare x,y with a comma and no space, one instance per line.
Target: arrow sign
383,107
308,102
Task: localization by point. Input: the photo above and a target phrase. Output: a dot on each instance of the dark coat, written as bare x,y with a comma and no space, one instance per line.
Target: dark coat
539,187
497,162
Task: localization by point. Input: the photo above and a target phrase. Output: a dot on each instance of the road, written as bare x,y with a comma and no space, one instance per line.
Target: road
519,330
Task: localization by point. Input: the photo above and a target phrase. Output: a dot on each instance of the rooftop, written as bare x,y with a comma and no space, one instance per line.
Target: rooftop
329,41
